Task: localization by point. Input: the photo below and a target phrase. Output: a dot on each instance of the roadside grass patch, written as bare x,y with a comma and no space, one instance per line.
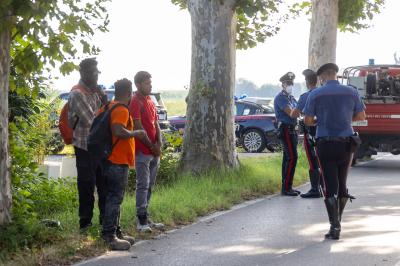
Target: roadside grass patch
174,204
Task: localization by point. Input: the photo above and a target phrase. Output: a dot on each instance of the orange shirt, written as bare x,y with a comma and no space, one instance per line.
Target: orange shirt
124,150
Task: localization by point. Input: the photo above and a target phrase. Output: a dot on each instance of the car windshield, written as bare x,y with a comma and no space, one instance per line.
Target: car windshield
157,100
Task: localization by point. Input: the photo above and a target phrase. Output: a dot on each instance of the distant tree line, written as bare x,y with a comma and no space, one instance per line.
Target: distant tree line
247,87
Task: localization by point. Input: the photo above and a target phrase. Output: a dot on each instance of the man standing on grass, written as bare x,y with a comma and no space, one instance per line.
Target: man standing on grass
84,101
148,149
116,168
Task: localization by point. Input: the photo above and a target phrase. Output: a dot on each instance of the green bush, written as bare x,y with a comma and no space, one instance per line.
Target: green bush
35,197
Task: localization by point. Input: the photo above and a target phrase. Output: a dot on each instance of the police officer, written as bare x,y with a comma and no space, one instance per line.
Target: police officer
332,108
309,137
284,104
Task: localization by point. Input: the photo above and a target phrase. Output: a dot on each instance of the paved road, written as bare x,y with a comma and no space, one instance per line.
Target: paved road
288,231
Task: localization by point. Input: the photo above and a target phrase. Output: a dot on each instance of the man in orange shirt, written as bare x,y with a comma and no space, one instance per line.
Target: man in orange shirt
117,166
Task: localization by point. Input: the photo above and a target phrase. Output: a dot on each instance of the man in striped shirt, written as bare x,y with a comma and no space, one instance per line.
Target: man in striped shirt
84,102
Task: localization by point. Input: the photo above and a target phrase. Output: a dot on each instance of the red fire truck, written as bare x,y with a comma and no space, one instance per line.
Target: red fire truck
379,87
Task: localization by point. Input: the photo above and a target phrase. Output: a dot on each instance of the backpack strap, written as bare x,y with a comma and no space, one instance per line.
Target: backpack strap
112,109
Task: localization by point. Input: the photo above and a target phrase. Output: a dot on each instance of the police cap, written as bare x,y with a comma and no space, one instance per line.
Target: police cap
327,66
287,77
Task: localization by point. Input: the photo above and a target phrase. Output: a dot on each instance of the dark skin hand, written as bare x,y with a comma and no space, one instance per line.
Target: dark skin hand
120,131
155,148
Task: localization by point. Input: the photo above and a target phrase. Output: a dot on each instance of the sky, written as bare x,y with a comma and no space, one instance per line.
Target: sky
155,35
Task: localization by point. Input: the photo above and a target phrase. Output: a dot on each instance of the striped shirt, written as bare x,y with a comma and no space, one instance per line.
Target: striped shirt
83,105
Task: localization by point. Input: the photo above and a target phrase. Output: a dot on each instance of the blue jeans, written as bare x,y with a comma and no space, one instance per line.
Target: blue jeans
146,171
116,180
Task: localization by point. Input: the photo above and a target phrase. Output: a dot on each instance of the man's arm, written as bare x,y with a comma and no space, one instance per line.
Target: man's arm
144,139
158,146
360,116
120,131
295,113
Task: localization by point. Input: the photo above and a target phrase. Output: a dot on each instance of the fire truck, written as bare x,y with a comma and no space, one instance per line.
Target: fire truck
379,87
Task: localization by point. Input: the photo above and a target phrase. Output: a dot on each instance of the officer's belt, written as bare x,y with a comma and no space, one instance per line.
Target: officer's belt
335,139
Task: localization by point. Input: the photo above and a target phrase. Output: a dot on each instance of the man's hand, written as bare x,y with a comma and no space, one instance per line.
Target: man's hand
139,133
156,149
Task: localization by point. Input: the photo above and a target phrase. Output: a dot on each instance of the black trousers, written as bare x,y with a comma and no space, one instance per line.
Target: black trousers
309,148
89,175
335,158
289,141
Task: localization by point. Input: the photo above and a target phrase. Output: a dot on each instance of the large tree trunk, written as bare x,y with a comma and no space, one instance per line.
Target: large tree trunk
323,33
5,186
209,140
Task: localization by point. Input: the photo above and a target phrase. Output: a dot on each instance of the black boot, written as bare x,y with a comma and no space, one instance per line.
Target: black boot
342,203
333,214
314,192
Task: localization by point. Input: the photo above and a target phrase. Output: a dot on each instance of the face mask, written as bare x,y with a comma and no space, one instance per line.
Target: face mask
289,89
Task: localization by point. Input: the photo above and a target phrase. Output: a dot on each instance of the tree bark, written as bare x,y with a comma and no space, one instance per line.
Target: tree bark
323,33
209,140
5,184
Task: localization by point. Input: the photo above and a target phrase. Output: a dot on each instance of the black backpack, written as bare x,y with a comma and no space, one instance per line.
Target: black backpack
99,142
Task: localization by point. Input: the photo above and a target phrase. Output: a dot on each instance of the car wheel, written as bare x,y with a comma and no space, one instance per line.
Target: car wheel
253,140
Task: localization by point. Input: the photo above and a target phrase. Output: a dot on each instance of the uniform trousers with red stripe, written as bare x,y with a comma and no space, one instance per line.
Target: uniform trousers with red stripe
309,148
288,136
335,158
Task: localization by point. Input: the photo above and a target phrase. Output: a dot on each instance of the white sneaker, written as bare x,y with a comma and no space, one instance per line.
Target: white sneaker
158,226
143,228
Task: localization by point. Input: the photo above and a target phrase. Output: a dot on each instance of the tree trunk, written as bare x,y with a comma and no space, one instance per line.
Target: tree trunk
5,184
323,33
209,141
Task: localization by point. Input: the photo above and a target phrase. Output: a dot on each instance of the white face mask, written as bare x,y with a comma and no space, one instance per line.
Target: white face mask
289,89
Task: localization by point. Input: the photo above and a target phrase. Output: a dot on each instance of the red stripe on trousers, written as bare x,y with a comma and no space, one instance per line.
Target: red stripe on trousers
291,155
324,188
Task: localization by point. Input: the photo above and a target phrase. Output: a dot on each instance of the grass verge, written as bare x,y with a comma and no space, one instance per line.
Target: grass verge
176,204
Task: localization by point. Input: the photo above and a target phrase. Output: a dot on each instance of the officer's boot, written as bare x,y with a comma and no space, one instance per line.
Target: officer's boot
342,204
333,214
314,192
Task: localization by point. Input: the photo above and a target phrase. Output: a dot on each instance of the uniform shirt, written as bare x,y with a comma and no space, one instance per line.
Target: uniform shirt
281,101
334,105
82,105
300,106
302,101
143,109
124,150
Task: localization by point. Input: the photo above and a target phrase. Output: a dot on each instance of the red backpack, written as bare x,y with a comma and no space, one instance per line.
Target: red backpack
65,130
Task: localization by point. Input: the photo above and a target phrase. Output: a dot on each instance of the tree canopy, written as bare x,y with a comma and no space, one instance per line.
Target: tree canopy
260,19
256,20
47,34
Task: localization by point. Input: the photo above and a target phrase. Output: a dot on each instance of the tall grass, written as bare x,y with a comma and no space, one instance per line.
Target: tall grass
179,203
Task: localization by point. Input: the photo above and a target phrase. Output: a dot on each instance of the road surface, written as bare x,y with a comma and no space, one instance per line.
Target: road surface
287,231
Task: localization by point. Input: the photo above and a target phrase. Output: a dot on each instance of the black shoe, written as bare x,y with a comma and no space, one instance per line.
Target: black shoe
84,228
297,191
311,194
289,193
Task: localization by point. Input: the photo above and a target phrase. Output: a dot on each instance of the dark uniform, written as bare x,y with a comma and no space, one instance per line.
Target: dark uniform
309,143
334,106
287,134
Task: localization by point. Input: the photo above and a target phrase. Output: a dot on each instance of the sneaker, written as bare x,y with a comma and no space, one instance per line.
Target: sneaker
289,193
142,224
116,243
130,239
158,226
83,229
